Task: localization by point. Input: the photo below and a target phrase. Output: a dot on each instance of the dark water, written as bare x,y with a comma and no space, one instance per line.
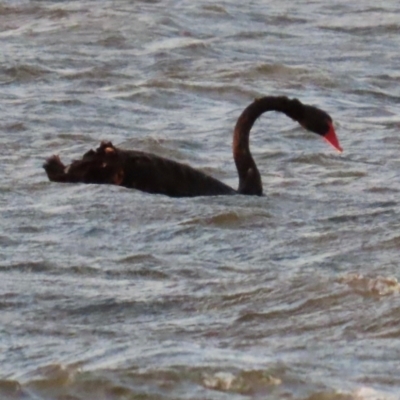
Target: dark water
108,293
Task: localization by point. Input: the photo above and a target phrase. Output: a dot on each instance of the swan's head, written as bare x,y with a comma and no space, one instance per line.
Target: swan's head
320,122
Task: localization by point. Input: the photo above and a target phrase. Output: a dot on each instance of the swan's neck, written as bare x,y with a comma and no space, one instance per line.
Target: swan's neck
249,176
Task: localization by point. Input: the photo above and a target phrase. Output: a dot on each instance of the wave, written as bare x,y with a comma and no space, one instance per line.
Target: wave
70,382
369,285
229,219
56,379
245,382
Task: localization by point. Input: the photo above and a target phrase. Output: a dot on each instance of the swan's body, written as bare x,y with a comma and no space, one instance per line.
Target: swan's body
153,174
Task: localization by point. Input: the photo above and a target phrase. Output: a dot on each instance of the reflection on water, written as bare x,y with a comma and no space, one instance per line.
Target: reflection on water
109,293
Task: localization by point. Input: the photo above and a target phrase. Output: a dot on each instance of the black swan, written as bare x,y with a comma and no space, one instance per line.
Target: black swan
154,174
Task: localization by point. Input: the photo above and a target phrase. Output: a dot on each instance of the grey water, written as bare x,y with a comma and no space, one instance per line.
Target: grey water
110,293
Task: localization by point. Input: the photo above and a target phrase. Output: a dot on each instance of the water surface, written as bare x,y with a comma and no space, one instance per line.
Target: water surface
109,293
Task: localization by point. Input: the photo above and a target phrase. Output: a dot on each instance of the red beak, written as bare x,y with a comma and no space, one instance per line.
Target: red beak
332,139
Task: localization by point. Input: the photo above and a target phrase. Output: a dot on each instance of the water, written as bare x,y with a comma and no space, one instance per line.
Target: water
108,293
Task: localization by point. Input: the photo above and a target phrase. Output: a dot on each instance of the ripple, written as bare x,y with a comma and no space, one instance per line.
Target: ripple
24,73
138,259
364,30
316,159
15,127
28,267
386,244
214,8
10,389
53,377
114,40
87,73
19,9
